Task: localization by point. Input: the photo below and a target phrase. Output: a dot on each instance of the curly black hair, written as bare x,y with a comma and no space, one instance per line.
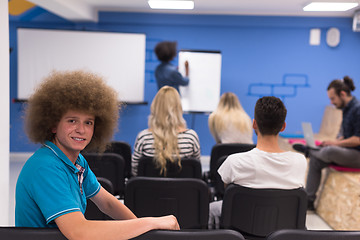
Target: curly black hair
165,51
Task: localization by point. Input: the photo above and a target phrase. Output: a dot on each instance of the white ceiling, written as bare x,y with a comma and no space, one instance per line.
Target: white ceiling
87,10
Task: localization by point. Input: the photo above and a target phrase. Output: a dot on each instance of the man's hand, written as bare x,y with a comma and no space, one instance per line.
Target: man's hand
167,222
187,68
329,143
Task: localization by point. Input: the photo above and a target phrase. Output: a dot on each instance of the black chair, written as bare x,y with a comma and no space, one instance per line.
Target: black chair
257,212
225,149
110,166
200,234
296,234
190,168
185,198
221,150
92,211
124,149
23,233
219,184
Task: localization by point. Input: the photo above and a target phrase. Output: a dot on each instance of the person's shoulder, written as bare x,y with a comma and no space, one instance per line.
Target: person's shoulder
241,156
144,132
357,104
190,132
42,162
294,154
295,157
43,156
144,135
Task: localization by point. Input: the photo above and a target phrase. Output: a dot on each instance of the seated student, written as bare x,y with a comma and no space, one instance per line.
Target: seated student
229,123
167,74
266,166
343,151
167,138
68,112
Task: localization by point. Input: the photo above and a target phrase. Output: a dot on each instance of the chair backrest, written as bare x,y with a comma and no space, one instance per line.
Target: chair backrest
219,184
124,149
185,198
110,166
190,168
188,234
296,234
92,211
225,149
258,212
23,233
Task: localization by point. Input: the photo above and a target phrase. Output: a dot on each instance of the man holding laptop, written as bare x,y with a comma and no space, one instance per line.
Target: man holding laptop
345,150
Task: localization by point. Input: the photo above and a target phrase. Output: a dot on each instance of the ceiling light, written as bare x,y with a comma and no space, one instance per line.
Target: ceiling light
330,6
170,4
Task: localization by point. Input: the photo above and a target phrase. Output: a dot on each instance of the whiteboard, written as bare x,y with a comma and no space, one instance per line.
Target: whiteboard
203,92
118,57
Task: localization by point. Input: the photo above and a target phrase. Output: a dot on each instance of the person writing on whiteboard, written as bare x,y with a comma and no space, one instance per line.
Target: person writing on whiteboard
167,74
167,138
71,111
229,123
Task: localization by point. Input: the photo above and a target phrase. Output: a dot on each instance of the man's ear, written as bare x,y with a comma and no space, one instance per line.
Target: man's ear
255,124
342,94
283,127
53,130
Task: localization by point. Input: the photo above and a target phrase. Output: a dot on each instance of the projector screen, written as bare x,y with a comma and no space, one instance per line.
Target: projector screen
118,57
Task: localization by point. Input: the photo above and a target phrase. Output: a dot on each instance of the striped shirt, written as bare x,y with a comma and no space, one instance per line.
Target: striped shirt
188,142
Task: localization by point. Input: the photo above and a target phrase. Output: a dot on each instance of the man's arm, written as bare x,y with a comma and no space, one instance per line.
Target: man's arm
186,68
75,227
353,141
111,206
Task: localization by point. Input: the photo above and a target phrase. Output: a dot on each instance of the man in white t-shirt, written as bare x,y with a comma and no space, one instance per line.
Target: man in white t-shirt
266,166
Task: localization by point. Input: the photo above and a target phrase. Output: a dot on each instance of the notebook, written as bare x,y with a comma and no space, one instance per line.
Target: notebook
309,135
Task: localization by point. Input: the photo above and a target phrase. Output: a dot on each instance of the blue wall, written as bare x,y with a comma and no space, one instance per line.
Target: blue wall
261,56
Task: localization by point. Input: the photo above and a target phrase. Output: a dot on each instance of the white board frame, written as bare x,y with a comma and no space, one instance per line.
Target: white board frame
118,57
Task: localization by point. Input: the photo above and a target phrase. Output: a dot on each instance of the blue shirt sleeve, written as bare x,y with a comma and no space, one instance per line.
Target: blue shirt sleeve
179,79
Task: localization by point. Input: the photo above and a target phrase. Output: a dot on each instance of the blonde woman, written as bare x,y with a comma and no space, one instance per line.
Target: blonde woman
229,123
167,138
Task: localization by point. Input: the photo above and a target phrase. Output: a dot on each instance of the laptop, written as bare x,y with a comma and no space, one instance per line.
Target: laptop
309,135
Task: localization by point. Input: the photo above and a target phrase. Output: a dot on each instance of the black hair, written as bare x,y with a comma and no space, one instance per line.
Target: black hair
270,114
346,85
165,51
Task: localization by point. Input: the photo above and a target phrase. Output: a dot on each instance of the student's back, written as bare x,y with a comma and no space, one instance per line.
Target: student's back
167,138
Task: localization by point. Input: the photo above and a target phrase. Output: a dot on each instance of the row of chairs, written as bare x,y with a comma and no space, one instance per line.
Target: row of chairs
20,233
253,212
115,165
218,150
111,166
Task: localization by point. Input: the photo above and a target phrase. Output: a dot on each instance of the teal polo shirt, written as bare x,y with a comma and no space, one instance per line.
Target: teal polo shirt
49,186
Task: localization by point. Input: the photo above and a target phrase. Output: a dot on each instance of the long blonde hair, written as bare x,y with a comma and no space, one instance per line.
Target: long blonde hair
165,119
229,110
